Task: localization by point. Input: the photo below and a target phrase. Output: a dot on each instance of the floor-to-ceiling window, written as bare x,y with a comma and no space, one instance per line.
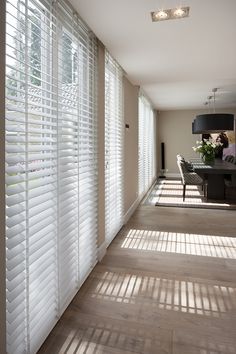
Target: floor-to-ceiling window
51,164
147,145
114,147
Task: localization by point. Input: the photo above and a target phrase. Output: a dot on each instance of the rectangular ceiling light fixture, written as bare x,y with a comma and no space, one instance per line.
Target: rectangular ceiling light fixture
170,14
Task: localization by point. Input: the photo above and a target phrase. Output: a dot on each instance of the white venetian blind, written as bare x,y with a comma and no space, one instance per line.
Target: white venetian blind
114,125
147,145
51,164
77,151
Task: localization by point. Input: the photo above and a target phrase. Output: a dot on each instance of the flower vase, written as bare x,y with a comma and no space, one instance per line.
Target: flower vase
208,158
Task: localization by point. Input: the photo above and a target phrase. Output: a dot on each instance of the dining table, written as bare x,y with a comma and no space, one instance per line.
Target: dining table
214,173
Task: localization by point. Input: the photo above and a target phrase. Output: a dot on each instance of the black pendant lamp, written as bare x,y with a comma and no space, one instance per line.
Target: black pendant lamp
213,122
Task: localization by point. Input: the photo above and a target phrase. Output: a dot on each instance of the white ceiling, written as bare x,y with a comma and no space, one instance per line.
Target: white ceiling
178,62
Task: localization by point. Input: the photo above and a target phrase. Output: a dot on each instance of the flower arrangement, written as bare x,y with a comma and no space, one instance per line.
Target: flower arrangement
207,148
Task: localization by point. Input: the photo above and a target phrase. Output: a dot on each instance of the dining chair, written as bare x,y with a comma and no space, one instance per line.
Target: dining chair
230,181
229,158
188,164
190,178
230,188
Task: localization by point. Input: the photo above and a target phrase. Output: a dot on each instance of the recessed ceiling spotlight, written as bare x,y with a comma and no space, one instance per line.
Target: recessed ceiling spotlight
179,12
161,15
170,14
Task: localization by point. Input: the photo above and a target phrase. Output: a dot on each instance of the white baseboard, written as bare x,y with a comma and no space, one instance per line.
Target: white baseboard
136,203
173,175
102,250
145,196
131,210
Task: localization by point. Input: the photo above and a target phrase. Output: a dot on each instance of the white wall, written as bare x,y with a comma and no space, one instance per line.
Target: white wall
174,128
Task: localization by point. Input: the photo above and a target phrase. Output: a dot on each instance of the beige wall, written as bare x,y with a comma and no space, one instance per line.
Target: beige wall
2,179
131,94
174,128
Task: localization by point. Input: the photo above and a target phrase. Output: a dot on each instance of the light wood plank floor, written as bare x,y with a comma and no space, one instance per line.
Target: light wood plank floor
166,286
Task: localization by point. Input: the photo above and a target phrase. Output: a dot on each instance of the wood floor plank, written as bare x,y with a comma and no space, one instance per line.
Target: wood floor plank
78,332
167,285
188,342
